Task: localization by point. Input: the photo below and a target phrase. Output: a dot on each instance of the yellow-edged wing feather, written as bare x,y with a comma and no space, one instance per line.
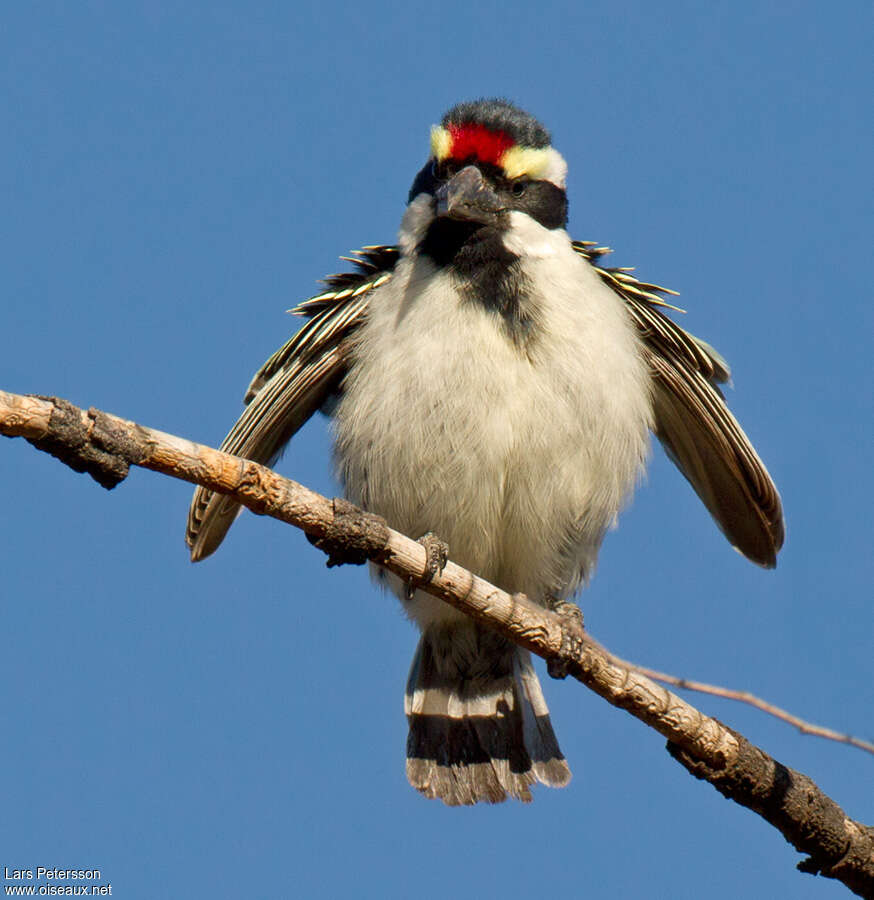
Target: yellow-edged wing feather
296,381
694,425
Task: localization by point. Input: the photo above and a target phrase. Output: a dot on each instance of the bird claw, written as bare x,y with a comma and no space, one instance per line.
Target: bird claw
567,610
558,666
437,554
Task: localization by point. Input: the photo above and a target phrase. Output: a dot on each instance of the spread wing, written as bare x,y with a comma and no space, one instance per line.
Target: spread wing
692,421
296,381
694,424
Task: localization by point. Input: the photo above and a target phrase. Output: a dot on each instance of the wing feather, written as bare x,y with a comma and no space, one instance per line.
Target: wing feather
296,381
709,447
694,425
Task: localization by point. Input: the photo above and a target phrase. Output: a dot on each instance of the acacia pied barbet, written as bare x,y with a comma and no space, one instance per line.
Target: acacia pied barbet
491,383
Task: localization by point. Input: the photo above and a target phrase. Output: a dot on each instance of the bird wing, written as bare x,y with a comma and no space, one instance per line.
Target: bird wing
296,381
693,423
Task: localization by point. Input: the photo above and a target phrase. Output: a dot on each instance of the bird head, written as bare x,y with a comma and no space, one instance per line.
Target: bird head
489,159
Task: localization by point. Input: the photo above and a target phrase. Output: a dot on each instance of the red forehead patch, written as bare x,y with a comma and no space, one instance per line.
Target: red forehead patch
476,140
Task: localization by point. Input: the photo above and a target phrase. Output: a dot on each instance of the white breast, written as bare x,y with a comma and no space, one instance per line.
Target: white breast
519,457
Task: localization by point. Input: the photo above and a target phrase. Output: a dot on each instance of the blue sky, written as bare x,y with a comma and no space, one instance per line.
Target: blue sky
175,176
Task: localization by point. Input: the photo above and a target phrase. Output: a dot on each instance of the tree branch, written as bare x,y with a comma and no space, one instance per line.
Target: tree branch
749,699
105,446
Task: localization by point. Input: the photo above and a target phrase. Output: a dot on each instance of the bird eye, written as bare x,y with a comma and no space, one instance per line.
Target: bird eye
519,187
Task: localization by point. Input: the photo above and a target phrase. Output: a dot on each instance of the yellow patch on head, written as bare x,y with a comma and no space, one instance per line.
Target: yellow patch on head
441,142
543,163
473,140
519,161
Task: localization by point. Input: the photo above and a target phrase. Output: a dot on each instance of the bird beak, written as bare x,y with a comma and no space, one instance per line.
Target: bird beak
467,197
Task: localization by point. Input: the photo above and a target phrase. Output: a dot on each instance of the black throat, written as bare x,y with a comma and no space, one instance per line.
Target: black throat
485,270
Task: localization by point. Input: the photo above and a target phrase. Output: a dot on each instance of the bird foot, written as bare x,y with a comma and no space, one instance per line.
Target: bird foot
437,553
558,666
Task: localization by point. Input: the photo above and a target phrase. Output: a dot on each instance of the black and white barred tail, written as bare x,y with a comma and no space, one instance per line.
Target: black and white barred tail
479,726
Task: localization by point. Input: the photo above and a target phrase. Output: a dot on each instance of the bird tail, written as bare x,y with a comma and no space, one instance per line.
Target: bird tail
479,726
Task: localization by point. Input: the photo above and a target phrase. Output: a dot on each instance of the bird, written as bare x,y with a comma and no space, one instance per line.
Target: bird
493,385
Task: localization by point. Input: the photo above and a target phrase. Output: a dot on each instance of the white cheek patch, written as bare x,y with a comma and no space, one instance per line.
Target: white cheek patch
527,238
417,218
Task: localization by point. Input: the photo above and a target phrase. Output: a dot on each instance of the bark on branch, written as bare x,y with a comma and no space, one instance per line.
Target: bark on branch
105,446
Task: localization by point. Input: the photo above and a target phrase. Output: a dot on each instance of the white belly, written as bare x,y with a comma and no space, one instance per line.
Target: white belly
519,457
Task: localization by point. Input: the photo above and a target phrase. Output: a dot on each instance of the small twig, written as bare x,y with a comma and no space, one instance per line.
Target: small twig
751,700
